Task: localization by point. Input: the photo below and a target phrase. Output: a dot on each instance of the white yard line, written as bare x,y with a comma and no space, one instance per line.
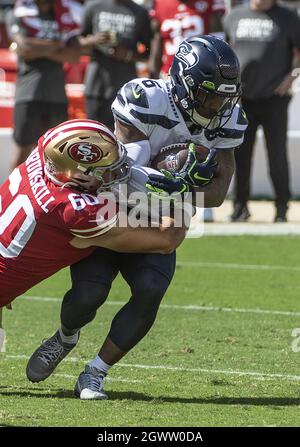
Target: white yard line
254,374
213,371
191,307
252,229
224,265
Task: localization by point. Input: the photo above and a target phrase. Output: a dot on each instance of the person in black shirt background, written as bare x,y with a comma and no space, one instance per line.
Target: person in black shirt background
111,32
42,48
264,35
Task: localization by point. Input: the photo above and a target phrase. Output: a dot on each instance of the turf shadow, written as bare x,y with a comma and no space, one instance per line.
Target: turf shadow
36,392
256,401
135,396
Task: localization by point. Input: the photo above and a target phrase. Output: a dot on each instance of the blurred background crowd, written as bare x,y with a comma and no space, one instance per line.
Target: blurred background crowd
64,59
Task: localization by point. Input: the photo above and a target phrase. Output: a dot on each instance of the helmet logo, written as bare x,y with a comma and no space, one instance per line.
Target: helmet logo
184,103
186,54
190,81
85,153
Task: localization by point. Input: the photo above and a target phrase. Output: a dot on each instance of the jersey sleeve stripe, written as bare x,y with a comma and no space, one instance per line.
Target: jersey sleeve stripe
232,133
98,227
96,231
149,118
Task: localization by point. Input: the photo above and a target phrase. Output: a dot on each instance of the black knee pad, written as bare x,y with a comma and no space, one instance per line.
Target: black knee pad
148,289
80,303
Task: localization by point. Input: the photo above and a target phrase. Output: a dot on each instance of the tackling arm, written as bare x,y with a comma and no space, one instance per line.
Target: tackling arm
163,239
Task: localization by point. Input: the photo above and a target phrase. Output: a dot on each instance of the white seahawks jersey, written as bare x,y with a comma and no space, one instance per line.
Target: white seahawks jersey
148,105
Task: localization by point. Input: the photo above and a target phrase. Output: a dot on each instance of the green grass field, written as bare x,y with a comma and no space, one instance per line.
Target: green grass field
201,365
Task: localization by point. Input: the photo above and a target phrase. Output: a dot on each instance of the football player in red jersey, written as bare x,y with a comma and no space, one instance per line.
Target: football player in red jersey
176,20
57,195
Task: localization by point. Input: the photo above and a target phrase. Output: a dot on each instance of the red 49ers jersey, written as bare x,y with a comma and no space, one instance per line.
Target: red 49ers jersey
38,219
181,20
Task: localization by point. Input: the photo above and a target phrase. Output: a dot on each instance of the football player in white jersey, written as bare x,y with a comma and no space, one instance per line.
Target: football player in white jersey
199,105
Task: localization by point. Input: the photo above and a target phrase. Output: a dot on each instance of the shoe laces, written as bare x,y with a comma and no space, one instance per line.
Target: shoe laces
51,351
94,379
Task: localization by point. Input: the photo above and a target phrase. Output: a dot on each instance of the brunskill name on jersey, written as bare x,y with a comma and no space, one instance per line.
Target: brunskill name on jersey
38,185
148,105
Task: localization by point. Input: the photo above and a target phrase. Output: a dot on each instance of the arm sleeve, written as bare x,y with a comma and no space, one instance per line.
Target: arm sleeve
87,216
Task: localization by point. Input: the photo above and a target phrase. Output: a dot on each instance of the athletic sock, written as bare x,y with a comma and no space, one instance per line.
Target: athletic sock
98,363
69,339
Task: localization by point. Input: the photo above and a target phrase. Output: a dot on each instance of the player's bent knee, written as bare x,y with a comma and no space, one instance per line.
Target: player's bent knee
81,303
89,294
147,293
151,285
85,297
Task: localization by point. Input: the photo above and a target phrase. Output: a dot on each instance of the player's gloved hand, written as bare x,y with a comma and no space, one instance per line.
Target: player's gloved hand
170,186
199,173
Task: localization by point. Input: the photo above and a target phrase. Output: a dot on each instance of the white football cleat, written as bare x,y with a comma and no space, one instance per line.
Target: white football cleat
89,385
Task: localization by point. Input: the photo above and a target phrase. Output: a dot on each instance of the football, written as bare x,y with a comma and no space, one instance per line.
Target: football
173,157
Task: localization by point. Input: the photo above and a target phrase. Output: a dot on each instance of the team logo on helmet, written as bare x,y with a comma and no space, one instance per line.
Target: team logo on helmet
85,153
187,55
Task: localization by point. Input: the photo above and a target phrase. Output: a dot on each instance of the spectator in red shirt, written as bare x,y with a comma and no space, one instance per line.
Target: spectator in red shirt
176,20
